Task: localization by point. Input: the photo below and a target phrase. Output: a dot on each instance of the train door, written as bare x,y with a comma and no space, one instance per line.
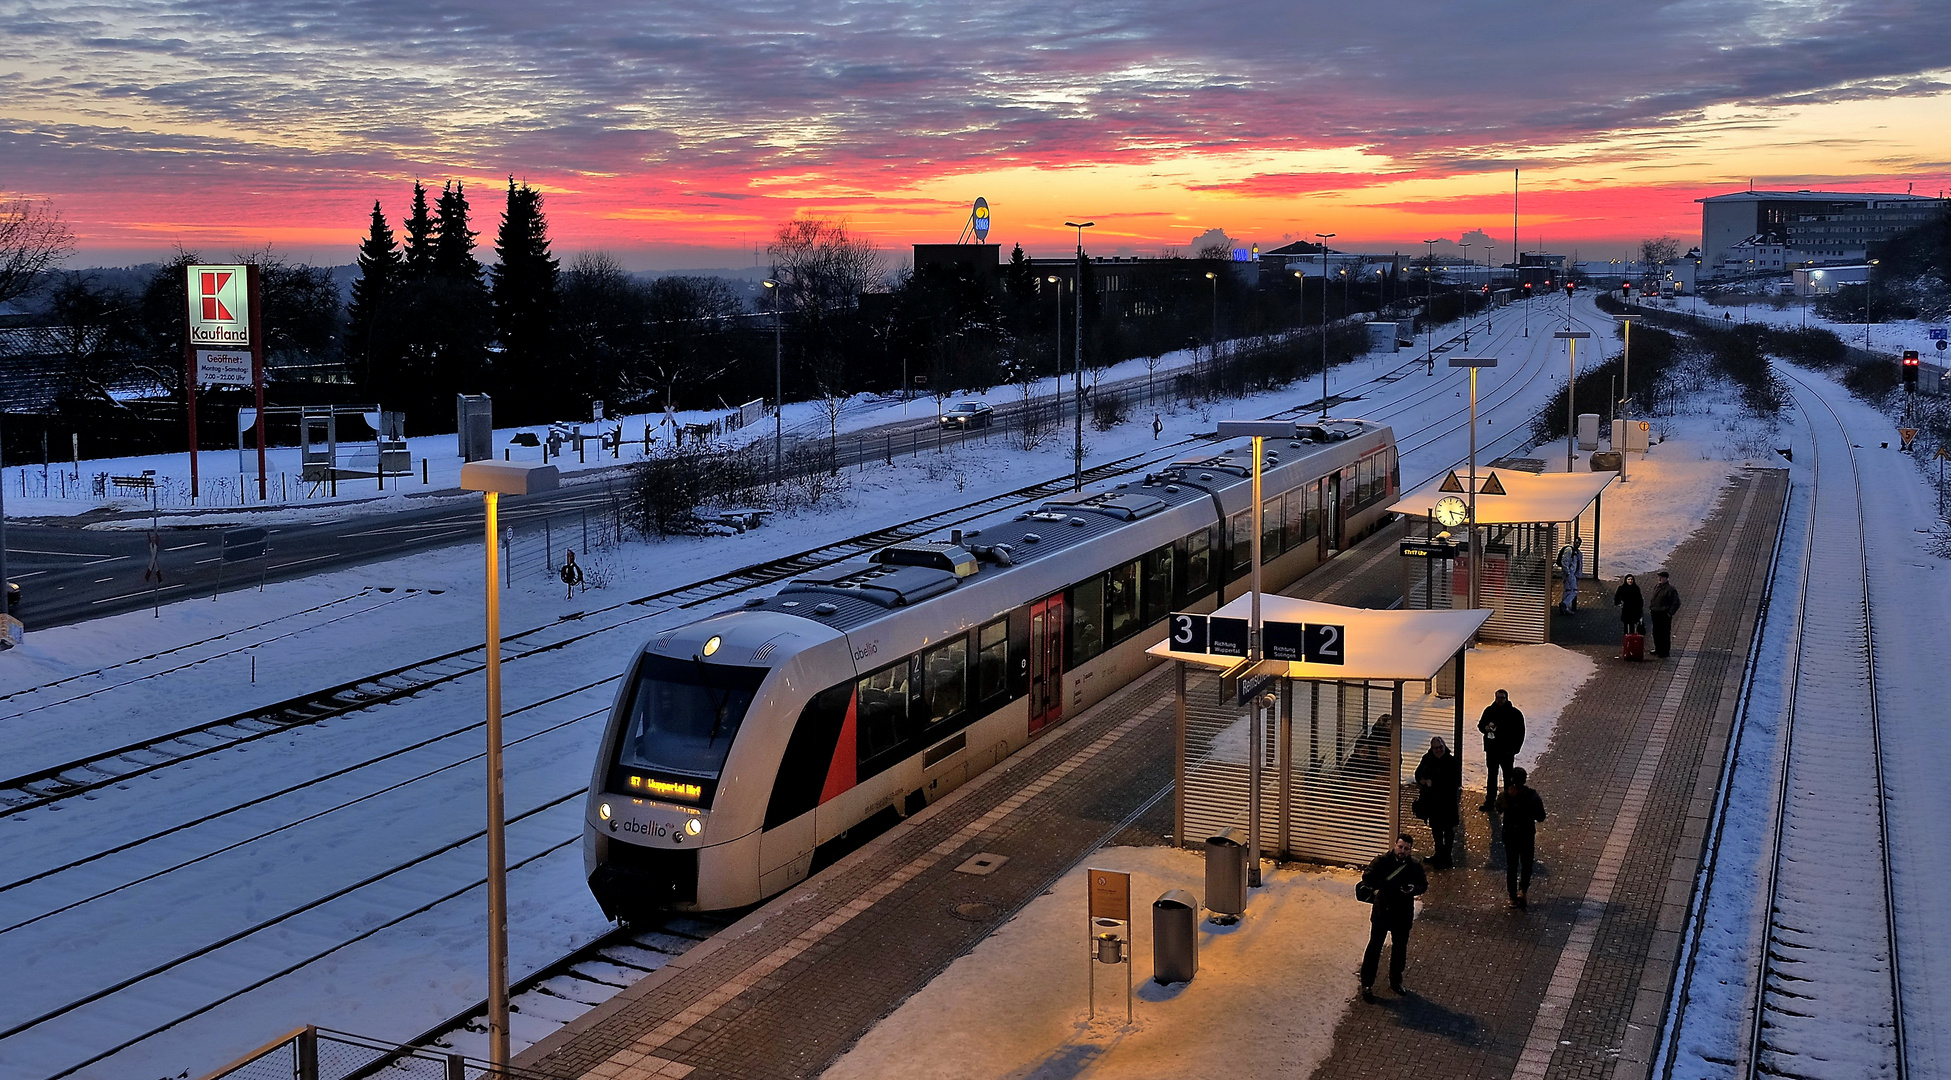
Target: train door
1046,662
1331,512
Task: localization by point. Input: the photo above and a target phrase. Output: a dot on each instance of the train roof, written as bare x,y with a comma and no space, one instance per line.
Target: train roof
856,592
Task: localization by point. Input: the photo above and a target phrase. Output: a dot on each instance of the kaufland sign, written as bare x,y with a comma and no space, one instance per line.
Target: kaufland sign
220,306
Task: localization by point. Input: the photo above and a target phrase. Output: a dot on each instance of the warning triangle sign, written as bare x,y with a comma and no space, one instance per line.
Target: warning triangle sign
1451,483
1492,486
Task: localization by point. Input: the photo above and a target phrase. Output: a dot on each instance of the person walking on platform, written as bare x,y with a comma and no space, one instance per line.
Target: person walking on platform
1439,783
1572,562
1503,728
1390,885
1664,603
1523,809
1631,605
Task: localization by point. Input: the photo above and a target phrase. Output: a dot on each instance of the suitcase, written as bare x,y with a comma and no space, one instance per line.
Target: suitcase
1635,647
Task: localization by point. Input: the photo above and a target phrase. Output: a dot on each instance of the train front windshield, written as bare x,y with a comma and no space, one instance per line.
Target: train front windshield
679,725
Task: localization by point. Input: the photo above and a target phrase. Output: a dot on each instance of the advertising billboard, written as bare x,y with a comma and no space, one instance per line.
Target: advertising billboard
220,307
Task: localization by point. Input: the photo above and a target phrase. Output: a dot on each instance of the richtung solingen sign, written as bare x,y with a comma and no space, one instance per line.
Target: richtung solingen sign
220,306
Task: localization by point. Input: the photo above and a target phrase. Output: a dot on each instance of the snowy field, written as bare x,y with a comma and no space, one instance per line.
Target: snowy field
1889,337
342,856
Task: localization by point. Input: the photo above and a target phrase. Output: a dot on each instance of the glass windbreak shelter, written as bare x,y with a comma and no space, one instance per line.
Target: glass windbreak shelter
1340,740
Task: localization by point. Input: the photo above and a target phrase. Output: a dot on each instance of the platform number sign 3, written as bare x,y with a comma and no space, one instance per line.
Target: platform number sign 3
1325,644
1188,632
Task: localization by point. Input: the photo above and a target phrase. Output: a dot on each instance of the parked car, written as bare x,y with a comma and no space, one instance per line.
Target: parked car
969,414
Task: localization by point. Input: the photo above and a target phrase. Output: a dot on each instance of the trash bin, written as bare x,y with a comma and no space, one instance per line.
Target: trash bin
1605,460
1226,872
1588,431
1175,937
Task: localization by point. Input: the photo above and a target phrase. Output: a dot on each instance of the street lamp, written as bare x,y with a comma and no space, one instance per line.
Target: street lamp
1057,370
1867,275
1077,368
1473,363
1324,237
1571,406
778,383
1429,303
1625,391
495,479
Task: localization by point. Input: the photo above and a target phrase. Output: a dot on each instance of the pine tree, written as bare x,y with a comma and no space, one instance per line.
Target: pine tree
452,319
419,227
372,315
525,299
453,240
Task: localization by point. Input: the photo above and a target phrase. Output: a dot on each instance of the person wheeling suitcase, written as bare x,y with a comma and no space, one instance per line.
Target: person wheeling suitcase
1632,607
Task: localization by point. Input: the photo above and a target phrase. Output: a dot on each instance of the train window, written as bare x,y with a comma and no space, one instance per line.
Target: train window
1314,498
945,684
1121,602
1270,530
1293,526
992,660
682,717
1395,472
1158,584
882,716
1199,564
1086,620
1241,555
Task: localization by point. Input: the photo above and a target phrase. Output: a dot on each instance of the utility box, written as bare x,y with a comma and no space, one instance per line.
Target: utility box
1175,937
1382,337
1631,435
1588,431
1226,873
474,421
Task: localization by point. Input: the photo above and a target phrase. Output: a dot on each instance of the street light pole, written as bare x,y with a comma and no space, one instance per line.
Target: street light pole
495,479
1057,369
1214,278
1429,304
1571,382
778,384
1324,237
1077,367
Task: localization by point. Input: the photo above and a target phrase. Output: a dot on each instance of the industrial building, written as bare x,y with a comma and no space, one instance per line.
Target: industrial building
1754,231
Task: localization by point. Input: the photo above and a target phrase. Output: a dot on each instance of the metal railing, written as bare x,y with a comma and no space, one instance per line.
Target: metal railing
315,1053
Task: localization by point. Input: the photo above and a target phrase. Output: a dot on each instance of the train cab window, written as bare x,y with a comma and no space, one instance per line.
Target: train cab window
1086,620
1395,473
882,718
992,661
1199,564
945,685
1313,497
1270,517
1122,609
1158,584
1241,555
681,720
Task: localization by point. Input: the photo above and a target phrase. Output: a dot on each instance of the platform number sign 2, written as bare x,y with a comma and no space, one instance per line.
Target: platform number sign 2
1325,644
1188,632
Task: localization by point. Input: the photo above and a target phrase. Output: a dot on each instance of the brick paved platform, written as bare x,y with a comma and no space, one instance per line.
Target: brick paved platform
789,988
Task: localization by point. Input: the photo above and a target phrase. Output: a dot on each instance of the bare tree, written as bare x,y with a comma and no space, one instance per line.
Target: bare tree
688,318
33,240
1658,251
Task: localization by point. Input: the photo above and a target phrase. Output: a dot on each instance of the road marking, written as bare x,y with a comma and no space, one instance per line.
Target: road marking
440,536
134,595
112,558
301,562
99,580
211,559
65,554
186,547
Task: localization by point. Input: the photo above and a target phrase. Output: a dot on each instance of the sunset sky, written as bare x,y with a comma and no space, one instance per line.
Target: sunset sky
680,135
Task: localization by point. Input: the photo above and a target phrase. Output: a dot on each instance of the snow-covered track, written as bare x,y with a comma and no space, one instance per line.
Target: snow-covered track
1829,985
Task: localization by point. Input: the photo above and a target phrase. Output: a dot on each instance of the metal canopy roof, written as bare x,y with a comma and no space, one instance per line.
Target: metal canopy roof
1380,645
1528,498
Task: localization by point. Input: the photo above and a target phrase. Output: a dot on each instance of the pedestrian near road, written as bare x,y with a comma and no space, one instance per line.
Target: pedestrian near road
1523,809
1572,562
1664,603
1158,425
1632,606
572,574
1503,728
1390,885
1439,783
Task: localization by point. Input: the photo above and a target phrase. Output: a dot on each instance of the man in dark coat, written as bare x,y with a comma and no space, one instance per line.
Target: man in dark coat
1503,728
1664,603
1396,879
1523,809
1439,784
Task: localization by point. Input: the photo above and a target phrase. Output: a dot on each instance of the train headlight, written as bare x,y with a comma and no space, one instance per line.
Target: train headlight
694,826
603,811
712,643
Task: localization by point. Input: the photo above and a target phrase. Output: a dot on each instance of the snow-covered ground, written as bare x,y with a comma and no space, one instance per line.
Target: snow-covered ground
281,834
1880,337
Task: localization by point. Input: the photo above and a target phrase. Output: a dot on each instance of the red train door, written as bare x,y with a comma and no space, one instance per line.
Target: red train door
1046,662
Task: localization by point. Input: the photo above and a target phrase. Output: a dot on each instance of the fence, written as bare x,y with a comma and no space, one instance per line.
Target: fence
536,544
314,1053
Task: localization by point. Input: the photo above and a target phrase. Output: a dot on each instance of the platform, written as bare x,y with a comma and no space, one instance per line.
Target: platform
1570,988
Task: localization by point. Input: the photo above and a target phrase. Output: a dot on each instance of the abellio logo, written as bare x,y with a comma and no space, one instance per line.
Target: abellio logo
219,305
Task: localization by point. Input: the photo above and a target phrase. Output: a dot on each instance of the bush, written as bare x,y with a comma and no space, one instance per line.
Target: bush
667,490
1108,411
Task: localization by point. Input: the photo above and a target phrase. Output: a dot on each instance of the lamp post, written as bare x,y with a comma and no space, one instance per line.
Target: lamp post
1867,274
495,479
1214,278
1429,302
1077,368
779,383
1057,369
1473,363
1324,237
1571,338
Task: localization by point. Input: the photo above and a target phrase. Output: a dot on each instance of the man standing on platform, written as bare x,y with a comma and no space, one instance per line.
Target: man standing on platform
1503,728
1390,884
1523,809
1664,603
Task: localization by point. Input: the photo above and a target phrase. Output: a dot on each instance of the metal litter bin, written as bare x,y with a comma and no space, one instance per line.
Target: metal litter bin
1226,872
1175,937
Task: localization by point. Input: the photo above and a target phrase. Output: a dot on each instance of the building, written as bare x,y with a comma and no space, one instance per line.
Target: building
1847,236
1827,280
1735,225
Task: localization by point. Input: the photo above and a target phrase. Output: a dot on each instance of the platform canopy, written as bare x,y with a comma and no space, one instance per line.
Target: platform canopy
1377,645
1526,498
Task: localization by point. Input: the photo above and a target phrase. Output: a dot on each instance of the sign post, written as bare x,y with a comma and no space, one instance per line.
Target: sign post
1110,909
1571,338
224,345
1474,363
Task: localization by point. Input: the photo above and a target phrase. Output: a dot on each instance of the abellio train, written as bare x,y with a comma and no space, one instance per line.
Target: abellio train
743,748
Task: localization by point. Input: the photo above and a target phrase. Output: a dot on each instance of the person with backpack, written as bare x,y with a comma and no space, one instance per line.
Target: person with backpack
1390,885
1439,787
1523,809
572,574
1663,606
1503,727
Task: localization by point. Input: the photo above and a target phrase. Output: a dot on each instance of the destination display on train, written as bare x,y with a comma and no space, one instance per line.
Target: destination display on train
1214,635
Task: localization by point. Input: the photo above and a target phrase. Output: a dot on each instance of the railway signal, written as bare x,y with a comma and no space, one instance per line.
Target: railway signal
1910,371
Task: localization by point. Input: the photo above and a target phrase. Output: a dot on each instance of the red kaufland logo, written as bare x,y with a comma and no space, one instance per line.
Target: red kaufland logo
219,306
213,300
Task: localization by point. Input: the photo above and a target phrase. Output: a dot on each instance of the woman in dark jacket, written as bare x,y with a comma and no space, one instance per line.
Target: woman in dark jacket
1632,606
1439,781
